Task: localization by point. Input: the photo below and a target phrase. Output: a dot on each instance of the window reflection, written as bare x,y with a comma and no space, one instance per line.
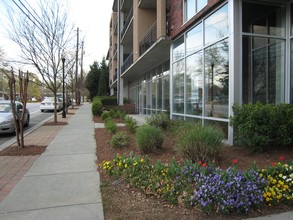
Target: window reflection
216,26
178,49
178,87
194,88
194,40
217,80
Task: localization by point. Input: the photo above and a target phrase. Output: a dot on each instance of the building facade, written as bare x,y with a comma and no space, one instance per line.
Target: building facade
196,58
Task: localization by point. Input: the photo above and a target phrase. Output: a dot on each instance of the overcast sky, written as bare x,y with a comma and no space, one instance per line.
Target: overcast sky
91,16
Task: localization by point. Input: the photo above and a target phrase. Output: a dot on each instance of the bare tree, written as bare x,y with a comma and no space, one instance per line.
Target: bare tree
43,35
18,114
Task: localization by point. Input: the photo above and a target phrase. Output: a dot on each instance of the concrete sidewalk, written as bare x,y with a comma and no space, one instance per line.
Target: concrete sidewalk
63,183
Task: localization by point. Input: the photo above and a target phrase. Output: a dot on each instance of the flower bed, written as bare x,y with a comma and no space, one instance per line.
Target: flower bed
205,185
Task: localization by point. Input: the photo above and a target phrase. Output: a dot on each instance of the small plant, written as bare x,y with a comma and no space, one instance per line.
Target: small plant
119,140
105,115
160,120
130,123
200,143
149,138
116,113
110,125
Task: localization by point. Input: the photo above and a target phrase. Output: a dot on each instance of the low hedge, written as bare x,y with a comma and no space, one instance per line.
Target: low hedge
259,126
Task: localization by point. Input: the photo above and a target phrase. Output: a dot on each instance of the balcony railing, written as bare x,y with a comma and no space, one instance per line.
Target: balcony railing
148,40
127,21
127,63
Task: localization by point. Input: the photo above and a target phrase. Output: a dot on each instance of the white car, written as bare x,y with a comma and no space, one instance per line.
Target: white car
48,104
6,116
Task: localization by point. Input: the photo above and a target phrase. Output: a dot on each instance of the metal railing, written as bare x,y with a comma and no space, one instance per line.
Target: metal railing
127,63
149,39
127,21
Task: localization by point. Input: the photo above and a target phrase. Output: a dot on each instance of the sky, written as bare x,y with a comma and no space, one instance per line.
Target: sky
92,17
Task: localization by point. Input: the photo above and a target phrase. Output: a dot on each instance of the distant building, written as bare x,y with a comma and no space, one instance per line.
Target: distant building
196,58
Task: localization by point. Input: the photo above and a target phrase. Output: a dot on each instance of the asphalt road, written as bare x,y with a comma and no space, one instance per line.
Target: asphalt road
36,117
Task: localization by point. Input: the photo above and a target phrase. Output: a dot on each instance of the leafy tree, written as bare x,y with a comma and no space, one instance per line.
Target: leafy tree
92,80
104,78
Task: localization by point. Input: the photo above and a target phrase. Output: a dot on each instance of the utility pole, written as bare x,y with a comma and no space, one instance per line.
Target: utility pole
81,71
76,70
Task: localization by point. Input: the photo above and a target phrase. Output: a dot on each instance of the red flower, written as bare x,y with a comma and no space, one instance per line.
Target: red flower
199,162
204,164
273,164
282,157
235,161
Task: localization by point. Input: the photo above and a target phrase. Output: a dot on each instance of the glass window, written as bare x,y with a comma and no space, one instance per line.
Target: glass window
200,4
264,19
291,94
217,80
216,25
194,40
178,87
191,7
166,87
263,70
178,49
154,92
194,84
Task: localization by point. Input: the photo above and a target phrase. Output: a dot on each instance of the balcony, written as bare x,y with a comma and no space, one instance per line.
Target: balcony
127,63
148,40
127,21
148,4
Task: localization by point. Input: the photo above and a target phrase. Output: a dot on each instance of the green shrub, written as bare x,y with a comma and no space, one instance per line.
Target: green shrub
110,125
130,123
105,115
259,126
115,113
97,106
108,100
119,140
200,143
149,138
160,120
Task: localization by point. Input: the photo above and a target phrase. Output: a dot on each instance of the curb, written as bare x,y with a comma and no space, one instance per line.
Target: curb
27,132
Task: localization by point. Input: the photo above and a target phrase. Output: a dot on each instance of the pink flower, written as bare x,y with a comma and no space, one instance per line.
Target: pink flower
282,157
199,162
235,161
204,164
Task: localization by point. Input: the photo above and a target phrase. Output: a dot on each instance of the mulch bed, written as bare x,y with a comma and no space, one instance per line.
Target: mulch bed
26,151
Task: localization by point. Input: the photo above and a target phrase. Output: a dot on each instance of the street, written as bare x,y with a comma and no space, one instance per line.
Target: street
36,116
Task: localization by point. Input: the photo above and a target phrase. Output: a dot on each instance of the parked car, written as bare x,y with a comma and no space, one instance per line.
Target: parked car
48,104
6,116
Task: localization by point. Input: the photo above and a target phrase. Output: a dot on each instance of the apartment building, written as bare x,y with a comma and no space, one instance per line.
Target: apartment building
195,58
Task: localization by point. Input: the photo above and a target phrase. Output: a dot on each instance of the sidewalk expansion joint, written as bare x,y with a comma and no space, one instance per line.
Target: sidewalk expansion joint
51,207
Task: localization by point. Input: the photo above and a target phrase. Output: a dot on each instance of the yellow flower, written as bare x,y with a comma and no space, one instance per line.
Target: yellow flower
142,160
280,175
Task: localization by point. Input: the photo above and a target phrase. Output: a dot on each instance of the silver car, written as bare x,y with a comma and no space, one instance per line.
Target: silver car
48,104
6,116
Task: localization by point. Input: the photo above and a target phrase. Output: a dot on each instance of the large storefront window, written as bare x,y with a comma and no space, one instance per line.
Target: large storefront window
150,93
200,73
208,63
264,55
